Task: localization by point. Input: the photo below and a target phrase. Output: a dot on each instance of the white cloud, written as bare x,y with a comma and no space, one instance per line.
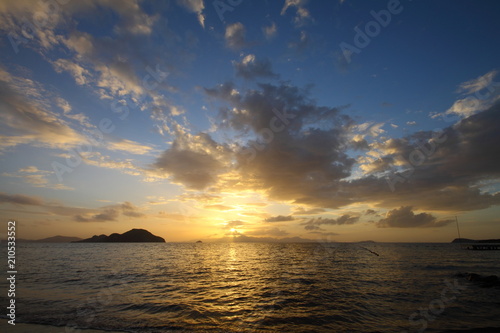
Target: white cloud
79,73
477,84
195,6
129,146
302,15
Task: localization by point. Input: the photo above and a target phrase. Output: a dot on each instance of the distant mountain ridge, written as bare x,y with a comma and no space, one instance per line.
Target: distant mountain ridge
467,240
131,236
53,239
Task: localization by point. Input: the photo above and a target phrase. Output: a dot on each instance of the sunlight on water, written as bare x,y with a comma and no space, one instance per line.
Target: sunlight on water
250,287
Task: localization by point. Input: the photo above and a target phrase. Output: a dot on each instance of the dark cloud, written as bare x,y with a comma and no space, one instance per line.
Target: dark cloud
404,217
314,223
279,218
109,214
19,199
128,209
193,169
297,149
194,161
304,160
441,169
251,68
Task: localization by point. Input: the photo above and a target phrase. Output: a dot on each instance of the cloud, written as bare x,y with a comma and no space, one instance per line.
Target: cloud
235,36
200,197
279,218
233,224
117,63
37,178
250,68
19,199
370,212
195,6
129,146
110,213
303,211
196,161
296,163
315,223
411,123
26,110
218,207
293,164
79,73
404,217
270,31
466,107
485,92
302,43
477,84
128,209
302,15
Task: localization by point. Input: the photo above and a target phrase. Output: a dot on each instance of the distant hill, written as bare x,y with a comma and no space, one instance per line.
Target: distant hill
131,236
57,239
466,240
54,239
251,239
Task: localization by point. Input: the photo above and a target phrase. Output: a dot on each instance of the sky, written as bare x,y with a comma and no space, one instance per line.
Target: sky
251,120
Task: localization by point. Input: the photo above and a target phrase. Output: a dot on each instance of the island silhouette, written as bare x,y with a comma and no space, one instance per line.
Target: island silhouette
131,236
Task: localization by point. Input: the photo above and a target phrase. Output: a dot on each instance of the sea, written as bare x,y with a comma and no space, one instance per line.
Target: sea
254,287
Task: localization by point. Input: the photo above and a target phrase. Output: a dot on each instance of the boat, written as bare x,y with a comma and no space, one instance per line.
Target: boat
476,245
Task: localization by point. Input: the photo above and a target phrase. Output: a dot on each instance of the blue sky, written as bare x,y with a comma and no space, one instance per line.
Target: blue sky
342,120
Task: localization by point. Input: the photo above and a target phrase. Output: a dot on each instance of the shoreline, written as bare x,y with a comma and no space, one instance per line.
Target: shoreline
42,328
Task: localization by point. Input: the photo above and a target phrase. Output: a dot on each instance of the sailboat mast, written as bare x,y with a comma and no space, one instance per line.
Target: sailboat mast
458,229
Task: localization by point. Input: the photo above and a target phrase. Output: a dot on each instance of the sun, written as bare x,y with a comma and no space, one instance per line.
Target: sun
232,230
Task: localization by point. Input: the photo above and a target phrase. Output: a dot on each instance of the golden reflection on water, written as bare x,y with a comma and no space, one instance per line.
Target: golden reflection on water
236,286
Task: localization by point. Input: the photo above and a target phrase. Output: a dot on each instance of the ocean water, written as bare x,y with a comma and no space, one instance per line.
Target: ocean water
254,287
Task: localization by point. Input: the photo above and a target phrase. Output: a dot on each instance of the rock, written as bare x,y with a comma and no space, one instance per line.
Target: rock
131,236
480,280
